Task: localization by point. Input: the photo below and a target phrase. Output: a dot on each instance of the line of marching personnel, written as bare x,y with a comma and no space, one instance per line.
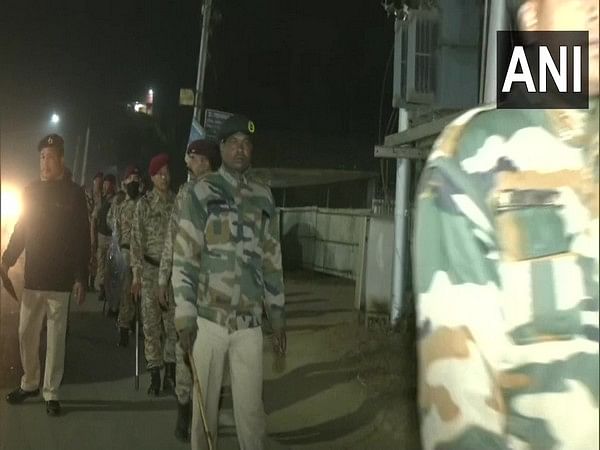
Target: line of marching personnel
203,266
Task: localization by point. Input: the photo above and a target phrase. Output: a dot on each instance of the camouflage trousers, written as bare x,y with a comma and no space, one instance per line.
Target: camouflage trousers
101,257
160,336
183,377
126,303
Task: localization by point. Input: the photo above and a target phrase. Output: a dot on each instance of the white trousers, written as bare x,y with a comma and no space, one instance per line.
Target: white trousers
34,306
245,350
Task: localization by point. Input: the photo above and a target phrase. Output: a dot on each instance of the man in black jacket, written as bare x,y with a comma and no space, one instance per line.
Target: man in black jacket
54,232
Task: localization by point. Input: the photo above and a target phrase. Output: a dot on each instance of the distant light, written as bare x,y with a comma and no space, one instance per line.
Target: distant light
11,205
150,91
138,107
55,118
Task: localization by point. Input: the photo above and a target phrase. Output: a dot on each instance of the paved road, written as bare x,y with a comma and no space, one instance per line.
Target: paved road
316,402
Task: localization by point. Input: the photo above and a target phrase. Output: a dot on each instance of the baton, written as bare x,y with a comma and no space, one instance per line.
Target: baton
200,401
137,346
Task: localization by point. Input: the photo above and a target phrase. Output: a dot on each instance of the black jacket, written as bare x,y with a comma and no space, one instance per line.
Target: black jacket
54,231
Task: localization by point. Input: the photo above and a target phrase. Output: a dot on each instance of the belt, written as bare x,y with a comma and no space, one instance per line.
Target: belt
125,246
151,261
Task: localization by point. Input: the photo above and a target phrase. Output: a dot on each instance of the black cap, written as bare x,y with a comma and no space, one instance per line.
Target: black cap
110,178
206,148
236,124
52,141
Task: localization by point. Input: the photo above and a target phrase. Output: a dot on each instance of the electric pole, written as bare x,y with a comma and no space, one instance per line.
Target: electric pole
199,100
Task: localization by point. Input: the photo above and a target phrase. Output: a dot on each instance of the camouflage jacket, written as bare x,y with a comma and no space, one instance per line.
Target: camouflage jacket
150,223
506,273
166,260
122,214
227,255
112,216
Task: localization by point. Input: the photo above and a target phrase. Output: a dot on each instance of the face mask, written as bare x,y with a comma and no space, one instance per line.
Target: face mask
133,189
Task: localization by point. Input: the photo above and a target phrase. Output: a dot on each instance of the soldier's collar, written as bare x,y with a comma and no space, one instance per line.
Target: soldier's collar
233,178
158,197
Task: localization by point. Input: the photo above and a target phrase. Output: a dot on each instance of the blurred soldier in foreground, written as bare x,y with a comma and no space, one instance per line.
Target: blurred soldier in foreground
506,267
201,157
123,214
226,269
103,232
150,224
54,232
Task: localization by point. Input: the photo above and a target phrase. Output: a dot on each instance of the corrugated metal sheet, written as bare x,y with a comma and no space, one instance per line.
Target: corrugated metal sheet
324,240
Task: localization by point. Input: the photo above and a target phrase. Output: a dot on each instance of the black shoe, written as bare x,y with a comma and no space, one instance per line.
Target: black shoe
19,395
169,380
154,388
53,408
101,294
182,427
123,337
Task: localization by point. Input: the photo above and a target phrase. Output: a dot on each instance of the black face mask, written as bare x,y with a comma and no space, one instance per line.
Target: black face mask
133,189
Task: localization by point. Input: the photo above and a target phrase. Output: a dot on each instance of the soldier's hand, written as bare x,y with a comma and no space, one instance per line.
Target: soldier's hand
163,300
136,289
279,342
187,337
79,292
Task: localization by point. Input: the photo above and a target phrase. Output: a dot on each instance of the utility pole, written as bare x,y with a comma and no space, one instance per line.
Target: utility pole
85,154
199,103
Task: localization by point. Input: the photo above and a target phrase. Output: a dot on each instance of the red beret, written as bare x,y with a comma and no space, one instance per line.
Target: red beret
131,170
157,163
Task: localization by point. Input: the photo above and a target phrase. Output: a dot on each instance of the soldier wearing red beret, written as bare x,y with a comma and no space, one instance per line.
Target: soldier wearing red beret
150,224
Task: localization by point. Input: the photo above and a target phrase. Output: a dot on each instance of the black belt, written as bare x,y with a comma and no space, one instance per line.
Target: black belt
125,246
151,261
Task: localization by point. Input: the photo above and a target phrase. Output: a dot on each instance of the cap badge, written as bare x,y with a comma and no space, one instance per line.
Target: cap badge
50,140
251,127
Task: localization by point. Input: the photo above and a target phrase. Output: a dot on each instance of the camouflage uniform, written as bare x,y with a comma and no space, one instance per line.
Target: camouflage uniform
506,270
150,225
103,239
93,199
183,385
122,215
227,265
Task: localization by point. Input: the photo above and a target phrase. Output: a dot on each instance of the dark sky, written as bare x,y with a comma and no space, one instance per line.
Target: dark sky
309,73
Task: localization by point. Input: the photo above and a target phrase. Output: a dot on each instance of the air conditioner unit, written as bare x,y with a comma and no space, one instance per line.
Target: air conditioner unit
437,57
415,59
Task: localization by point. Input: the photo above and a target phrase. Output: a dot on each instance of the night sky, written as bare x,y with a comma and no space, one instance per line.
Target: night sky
309,73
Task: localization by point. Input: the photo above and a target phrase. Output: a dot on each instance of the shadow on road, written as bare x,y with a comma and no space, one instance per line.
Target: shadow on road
92,354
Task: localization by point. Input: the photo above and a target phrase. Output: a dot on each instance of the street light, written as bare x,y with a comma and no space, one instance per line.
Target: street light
55,118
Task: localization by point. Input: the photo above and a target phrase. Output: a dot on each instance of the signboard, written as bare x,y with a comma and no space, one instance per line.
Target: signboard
186,97
213,120
196,132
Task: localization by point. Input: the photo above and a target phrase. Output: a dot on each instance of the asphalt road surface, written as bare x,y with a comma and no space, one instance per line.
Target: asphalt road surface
329,395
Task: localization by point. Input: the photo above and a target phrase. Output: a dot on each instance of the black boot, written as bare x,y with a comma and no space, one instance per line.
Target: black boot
101,294
184,416
154,388
123,337
169,380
